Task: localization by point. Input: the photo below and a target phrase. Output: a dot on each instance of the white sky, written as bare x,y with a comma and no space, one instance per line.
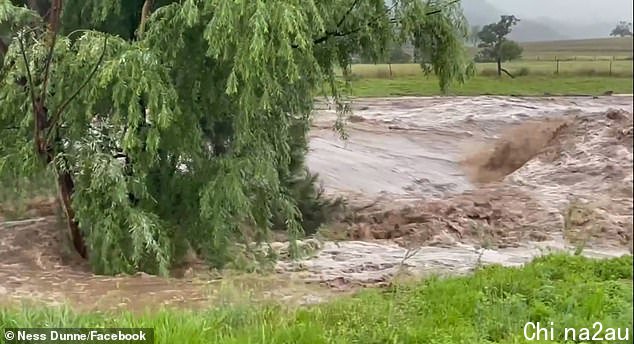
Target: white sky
568,10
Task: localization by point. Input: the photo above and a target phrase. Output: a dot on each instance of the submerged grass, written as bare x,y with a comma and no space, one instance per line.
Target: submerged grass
491,306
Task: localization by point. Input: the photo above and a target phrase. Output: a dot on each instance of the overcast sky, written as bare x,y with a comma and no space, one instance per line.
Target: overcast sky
568,10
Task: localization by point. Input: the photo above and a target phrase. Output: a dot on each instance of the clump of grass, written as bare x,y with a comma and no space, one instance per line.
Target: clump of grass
490,306
488,72
524,71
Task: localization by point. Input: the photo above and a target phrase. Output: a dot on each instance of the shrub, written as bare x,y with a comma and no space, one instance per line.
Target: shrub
524,71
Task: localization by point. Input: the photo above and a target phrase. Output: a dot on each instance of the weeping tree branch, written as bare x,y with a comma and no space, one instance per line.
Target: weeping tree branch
68,100
345,16
338,33
29,77
440,9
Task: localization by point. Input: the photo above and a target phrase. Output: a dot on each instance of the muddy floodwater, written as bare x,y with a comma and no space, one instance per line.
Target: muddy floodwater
433,185
411,147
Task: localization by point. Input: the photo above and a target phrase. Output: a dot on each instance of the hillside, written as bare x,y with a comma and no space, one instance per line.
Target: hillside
538,23
619,47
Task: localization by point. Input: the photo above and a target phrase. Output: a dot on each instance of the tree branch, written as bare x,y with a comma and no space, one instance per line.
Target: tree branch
507,73
338,33
440,9
56,10
29,78
67,102
145,13
345,16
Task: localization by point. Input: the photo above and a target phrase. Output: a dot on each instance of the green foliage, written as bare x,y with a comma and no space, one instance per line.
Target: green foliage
622,29
494,44
510,50
492,306
437,39
188,136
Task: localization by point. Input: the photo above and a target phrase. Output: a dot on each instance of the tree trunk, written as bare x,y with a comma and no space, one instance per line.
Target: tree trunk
508,73
66,188
499,61
3,47
145,13
43,127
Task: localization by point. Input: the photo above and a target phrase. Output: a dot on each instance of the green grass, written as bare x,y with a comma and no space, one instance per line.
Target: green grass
491,306
533,78
481,85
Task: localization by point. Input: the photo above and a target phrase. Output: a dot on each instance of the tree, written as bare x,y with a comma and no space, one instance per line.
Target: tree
170,124
622,29
474,37
495,46
398,55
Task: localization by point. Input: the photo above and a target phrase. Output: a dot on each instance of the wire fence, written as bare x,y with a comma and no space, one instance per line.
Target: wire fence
538,65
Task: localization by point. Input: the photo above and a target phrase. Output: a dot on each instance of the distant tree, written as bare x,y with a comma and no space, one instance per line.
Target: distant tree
398,55
510,50
494,44
474,37
622,29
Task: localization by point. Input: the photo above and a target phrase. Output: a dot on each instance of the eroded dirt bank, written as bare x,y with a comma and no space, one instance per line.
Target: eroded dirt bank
436,185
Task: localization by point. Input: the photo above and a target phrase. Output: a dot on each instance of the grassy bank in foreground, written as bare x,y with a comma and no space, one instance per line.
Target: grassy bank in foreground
491,306
481,85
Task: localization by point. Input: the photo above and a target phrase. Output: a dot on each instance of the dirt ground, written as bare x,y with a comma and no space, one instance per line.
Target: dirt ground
436,185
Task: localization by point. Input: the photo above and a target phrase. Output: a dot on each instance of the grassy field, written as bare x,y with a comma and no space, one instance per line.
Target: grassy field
533,78
491,306
621,69
582,49
586,67
481,85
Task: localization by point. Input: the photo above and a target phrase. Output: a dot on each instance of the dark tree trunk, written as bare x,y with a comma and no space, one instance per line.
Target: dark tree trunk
499,61
508,73
45,125
66,190
65,184
3,47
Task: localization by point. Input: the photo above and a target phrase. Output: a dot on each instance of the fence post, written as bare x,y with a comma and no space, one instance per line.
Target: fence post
557,70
